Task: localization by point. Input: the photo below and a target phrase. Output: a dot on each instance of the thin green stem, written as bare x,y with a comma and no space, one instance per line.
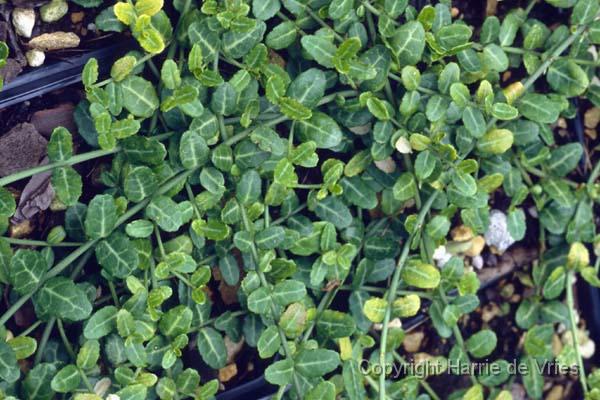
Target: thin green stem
263,281
394,287
31,328
65,339
571,308
113,294
43,341
39,243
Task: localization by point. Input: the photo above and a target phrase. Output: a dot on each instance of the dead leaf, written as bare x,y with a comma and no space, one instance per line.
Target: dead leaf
227,373
36,196
45,121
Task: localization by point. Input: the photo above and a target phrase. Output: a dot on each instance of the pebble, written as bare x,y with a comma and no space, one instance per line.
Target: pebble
23,20
388,165
477,262
441,256
592,118
35,58
556,393
462,233
225,374
497,234
477,245
54,10
412,342
403,145
77,17
55,41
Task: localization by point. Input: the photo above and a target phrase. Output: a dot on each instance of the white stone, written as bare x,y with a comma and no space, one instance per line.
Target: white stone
497,234
54,10
361,130
441,256
35,58
477,262
102,386
403,145
23,20
388,165
113,397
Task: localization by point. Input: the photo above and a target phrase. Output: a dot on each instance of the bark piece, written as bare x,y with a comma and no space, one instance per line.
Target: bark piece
21,148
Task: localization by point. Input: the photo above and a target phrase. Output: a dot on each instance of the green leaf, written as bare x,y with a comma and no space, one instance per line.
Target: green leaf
238,44
482,343
27,268
139,97
282,35
452,36
165,213
140,183
249,188
60,146
321,129
494,58
408,42
269,342
584,12
67,184
66,380
316,363
176,321
539,108
568,78
101,323
374,309
321,49
270,237
333,210
288,291
265,9
212,347
23,346
464,183
555,283
405,187
117,256
101,216
280,372
564,159
9,369
438,227
516,224
229,269
496,141
323,391
193,150
308,87
424,165
8,205
421,275
335,324
61,298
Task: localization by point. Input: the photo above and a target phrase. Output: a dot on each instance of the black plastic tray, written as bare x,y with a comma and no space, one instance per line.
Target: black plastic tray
60,74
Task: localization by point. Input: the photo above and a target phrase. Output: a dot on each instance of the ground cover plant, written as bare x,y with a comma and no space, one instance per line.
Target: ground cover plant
297,181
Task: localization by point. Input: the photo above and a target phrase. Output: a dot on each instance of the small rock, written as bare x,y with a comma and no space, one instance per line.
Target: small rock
477,262
225,374
592,117
441,256
113,397
489,312
477,245
55,41
462,233
497,234
556,393
21,148
388,165
102,386
412,341
23,20
454,12
35,58
77,17
54,10
403,145
361,130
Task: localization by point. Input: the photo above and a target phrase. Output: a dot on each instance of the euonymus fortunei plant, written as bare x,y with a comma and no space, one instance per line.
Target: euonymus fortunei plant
313,155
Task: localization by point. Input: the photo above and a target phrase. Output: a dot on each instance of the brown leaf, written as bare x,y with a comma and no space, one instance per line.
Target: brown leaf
45,121
36,196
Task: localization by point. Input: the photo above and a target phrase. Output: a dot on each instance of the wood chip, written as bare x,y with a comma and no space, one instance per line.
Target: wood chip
21,148
55,41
